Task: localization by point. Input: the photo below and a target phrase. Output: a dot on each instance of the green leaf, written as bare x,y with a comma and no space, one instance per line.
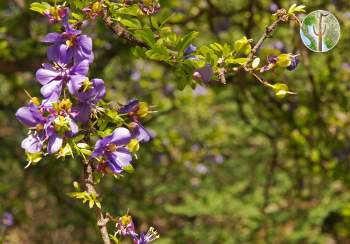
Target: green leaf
40,7
281,90
164,16
146,35
114,238
91,203
78,17
240,61
294,9
132,10
159,53
291,8
242,46
129,168
78,138
139,52
98,204
154,22
131,23
34,158
194,63
217,47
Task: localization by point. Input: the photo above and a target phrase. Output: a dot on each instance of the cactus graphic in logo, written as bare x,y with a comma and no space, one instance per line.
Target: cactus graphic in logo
320,31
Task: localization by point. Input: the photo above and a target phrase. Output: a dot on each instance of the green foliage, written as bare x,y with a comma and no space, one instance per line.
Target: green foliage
40,7
91,198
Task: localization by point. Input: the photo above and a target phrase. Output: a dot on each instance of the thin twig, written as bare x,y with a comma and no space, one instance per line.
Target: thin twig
281,17
266,35
90,188
120,31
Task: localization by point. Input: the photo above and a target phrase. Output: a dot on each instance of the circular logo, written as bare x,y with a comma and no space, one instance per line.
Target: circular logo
320,31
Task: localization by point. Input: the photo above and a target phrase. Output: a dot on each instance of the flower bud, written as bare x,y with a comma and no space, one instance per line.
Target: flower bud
61,124
65,104
133,145
143,110
35,101
197,76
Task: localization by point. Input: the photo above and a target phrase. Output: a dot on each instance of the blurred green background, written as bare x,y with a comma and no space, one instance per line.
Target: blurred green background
229,163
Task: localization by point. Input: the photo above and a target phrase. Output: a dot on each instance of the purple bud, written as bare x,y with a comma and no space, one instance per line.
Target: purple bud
190,49
272,59
294,63
197,76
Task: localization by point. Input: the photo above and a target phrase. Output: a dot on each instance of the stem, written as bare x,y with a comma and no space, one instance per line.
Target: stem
120,31
266,35
320,32
90,188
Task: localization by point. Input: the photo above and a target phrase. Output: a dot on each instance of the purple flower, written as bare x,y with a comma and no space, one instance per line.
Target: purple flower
33,143
273,7
60,124
88,95
54,76
56,14
149,7
271,63
78,47
7,219
190,49
51,129
131,107
294,63
113,150
93,10
138,132
125,226
201,74
150,236
30,115
204,73
58,127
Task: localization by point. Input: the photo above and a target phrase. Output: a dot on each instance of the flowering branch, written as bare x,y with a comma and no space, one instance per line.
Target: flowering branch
73,111
194,66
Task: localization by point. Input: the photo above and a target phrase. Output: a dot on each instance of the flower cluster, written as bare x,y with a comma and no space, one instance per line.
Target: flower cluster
56,13
126,228
284,60
71,106
149,7
93,10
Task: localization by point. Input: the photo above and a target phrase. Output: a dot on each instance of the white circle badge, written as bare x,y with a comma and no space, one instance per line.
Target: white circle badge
320,31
